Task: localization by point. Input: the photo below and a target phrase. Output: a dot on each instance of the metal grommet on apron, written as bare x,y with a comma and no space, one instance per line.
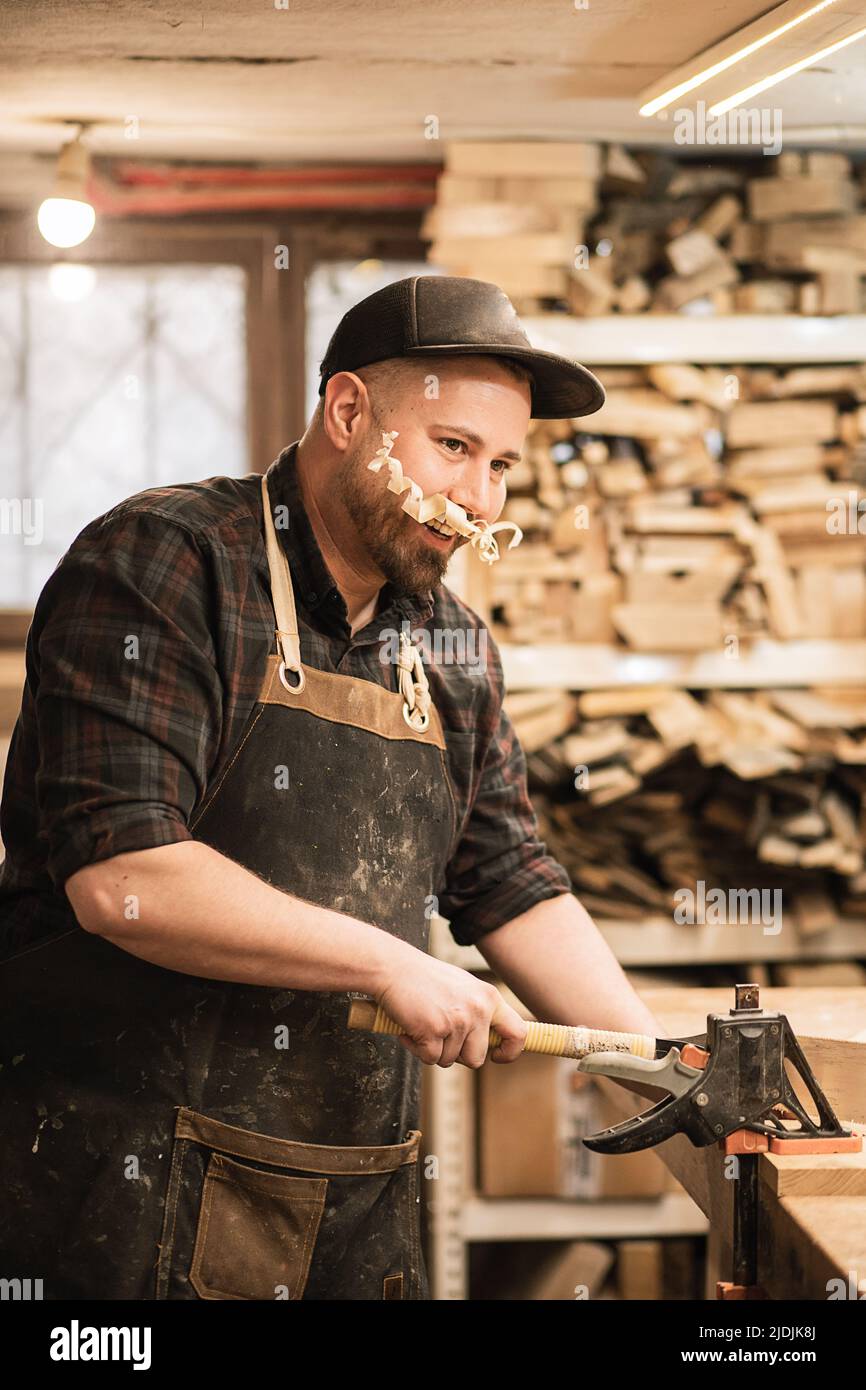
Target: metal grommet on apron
178,1137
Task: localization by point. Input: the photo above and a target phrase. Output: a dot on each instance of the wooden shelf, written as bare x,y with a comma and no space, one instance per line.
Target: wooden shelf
659,941
762,663
663,942
721,339
542,1218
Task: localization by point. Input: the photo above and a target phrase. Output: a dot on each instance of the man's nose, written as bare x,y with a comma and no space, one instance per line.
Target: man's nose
472,493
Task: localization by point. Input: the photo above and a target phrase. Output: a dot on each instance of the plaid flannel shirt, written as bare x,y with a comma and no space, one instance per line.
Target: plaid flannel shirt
111,754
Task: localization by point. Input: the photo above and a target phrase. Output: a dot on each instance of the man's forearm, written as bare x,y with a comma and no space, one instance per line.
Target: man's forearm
202,914
557,962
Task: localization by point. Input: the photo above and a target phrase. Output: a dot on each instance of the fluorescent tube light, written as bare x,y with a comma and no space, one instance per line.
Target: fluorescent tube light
739,97
660,102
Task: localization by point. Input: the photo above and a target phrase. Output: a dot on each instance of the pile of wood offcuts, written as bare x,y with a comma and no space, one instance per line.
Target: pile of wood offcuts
698,507
641,793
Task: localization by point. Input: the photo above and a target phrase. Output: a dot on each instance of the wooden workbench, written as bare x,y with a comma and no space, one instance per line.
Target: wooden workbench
812,1210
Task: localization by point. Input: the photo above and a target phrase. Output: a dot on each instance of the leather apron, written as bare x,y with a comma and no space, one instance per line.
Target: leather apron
173,1137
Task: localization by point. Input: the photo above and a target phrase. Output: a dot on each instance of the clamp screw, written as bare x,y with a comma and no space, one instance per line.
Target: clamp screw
703,1098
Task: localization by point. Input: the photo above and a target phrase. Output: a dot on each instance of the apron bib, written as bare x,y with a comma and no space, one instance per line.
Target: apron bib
173,1137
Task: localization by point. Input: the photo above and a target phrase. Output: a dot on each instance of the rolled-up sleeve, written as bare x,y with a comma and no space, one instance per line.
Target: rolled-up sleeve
128,697
501,867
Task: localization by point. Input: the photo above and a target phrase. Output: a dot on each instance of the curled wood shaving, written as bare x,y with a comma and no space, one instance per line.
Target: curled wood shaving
481,535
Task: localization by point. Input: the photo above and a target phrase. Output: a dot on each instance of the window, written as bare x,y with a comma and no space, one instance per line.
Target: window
113,379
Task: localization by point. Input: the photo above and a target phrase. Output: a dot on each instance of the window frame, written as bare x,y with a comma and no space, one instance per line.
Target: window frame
276,332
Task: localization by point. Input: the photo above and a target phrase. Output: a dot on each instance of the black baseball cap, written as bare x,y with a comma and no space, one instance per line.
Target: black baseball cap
453,314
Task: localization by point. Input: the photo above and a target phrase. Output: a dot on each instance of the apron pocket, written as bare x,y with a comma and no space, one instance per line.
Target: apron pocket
254,1216
256,1232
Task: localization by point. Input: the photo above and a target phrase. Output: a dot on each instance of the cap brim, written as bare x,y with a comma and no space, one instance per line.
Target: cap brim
562,389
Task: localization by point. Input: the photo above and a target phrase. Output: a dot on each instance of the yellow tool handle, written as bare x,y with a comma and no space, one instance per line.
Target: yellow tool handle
554,1039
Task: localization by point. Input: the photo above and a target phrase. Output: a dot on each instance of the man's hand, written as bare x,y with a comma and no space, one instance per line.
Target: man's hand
447,1013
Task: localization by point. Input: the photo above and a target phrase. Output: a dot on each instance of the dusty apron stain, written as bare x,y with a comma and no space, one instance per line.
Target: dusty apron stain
157,1142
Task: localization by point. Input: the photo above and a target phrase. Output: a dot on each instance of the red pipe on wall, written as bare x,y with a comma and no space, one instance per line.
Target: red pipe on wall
129,172
126,189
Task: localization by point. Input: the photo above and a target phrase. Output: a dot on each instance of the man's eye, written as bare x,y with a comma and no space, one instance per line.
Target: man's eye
501,465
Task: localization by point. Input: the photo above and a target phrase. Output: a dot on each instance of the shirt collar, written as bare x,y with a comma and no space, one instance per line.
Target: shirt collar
311,578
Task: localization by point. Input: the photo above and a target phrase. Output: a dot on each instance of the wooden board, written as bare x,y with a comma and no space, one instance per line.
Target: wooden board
480,219
815,1175
535,248
804,1243
524,158
669,627
646,414
577,192
770,423
771,199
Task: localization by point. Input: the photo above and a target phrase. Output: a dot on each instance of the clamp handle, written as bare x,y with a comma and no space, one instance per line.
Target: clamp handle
671,1073
553,1039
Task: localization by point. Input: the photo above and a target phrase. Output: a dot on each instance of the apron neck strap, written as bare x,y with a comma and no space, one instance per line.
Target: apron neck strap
282,593
414,686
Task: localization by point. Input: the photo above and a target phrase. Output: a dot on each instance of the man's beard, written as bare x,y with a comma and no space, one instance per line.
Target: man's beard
395,541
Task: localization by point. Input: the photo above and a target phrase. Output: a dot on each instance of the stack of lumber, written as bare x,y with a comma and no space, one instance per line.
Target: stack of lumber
640,793
640,729
514,213
594,229
805,221
698,506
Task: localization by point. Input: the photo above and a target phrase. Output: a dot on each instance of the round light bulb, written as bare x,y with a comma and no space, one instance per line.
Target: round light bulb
65,221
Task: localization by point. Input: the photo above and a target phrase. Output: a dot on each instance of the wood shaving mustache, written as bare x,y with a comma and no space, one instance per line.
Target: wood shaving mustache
481,535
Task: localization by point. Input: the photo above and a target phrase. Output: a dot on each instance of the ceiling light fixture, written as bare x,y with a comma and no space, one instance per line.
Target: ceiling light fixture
67,218
738,98
658,103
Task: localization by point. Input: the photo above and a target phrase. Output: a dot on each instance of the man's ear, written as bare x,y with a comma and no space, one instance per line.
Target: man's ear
345,405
